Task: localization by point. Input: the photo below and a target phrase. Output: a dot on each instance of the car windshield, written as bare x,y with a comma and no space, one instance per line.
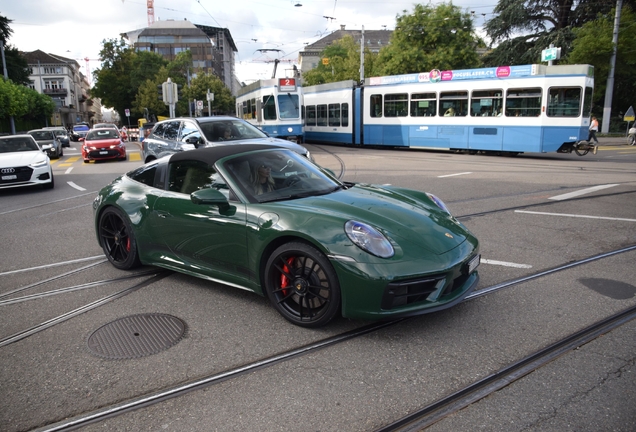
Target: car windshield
278,175
230,130
17,144
42,135
100,134
59,132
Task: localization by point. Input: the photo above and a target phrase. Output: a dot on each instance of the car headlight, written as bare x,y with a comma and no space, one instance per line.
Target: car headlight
439,203
369,239
38,163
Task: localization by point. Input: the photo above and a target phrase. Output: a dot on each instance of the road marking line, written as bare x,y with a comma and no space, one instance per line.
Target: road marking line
452,175
134,157
505,264
581,192
68,171
64,165
73,159
73,185
576,216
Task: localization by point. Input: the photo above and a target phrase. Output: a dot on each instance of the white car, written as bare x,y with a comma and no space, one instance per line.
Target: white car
23,163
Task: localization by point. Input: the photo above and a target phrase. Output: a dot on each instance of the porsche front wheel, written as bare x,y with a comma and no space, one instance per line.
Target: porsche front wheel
302,285
117,239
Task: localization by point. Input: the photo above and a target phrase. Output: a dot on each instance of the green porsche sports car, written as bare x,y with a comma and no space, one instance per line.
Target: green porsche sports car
266,219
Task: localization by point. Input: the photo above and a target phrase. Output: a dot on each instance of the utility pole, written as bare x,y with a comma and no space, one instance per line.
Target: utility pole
609,90
362,57
6,76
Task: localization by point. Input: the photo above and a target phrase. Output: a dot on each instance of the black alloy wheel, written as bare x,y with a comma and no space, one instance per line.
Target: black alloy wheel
117,239
302,285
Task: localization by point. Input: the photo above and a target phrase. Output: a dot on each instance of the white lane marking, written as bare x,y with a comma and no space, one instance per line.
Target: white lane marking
576,216
68,171
73,185
505,264
581,192
452,175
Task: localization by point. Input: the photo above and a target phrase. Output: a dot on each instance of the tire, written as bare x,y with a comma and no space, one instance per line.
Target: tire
117,239
302,285
631,140
61,151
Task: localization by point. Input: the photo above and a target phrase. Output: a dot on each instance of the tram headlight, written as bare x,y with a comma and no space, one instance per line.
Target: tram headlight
290,129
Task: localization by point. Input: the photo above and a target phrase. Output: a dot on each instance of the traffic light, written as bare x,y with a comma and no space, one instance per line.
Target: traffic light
179,94
160,92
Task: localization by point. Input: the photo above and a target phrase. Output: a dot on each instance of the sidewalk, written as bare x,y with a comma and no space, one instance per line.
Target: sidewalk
611,140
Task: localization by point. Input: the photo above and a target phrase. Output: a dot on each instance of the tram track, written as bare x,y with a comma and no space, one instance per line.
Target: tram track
445,406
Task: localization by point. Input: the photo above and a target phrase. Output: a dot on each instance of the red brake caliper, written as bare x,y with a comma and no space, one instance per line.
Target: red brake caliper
284,280
128,244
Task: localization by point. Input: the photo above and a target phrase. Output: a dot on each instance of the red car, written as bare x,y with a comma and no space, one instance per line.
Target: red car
103,144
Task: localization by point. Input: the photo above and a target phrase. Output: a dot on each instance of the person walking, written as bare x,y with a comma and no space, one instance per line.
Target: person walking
593,130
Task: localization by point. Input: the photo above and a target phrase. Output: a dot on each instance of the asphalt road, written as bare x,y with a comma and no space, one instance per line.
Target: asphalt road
257,372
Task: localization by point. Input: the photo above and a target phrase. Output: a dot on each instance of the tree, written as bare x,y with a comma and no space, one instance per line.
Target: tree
521,29
593,45
20,101
223,100
432,37
342,62
17,65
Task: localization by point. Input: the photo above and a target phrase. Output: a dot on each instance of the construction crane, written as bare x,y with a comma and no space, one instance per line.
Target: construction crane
150,8
88,69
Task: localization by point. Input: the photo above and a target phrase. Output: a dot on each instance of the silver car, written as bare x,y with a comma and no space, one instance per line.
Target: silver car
48,142
62,134
179,134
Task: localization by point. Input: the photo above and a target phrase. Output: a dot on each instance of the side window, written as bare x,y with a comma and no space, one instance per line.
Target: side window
310,118
453,104
144,174
269,107
345,115
190,133
376,105
172,130
158,132
334,115
564,101
423,104
523,102
187,176
396,105
486,103
321,115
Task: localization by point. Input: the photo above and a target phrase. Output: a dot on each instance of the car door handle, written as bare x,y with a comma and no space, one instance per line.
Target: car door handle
163,214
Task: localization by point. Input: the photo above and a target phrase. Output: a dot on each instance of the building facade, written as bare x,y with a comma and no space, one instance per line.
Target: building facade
212,48
61,79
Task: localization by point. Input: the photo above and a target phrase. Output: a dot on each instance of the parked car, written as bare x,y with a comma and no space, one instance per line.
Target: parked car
179,134
79,131
48,142
22,163
62,134
268,220
103,144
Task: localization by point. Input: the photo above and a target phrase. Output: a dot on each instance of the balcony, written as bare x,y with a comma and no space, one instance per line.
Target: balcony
56,91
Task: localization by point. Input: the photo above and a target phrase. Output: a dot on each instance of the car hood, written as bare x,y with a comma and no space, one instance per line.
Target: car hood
20,158
102,143
404,218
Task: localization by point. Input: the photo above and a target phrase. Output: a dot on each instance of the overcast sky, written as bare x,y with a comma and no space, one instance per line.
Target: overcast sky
76,28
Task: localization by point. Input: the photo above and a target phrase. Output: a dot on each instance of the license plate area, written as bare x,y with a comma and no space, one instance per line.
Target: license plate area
474,263
10,177
103,152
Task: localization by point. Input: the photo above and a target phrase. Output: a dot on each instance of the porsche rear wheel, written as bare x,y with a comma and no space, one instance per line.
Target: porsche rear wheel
302,285
117,239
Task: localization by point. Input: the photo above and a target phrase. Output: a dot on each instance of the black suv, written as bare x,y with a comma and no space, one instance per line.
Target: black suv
188,133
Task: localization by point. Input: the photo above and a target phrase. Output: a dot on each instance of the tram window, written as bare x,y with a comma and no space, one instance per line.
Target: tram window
423,104
587,102
523,102
244,110
269,108
376,105
564,101
454,104
486,103
321,115
253,108
334,115
345,114
288,106
310,115
396,105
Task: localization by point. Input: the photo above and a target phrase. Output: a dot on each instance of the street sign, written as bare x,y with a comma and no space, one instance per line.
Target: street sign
210,97
127,111
629,115
550,54
199,105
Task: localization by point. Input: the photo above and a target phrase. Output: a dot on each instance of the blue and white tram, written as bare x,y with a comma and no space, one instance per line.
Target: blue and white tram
274,105
530,108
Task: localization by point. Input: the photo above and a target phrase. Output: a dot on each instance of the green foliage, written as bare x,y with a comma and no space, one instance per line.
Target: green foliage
521,29
343,58
20,101
431,37
223,102
593,45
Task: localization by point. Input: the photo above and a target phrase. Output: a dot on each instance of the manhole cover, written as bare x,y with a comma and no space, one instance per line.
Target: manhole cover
136,336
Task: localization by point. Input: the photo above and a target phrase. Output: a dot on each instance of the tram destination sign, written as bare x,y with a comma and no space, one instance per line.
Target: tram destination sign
287,84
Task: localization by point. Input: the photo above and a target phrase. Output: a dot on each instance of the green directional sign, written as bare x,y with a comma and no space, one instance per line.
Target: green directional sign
550,54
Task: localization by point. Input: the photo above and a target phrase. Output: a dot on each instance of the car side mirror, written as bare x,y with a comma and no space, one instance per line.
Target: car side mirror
81,139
